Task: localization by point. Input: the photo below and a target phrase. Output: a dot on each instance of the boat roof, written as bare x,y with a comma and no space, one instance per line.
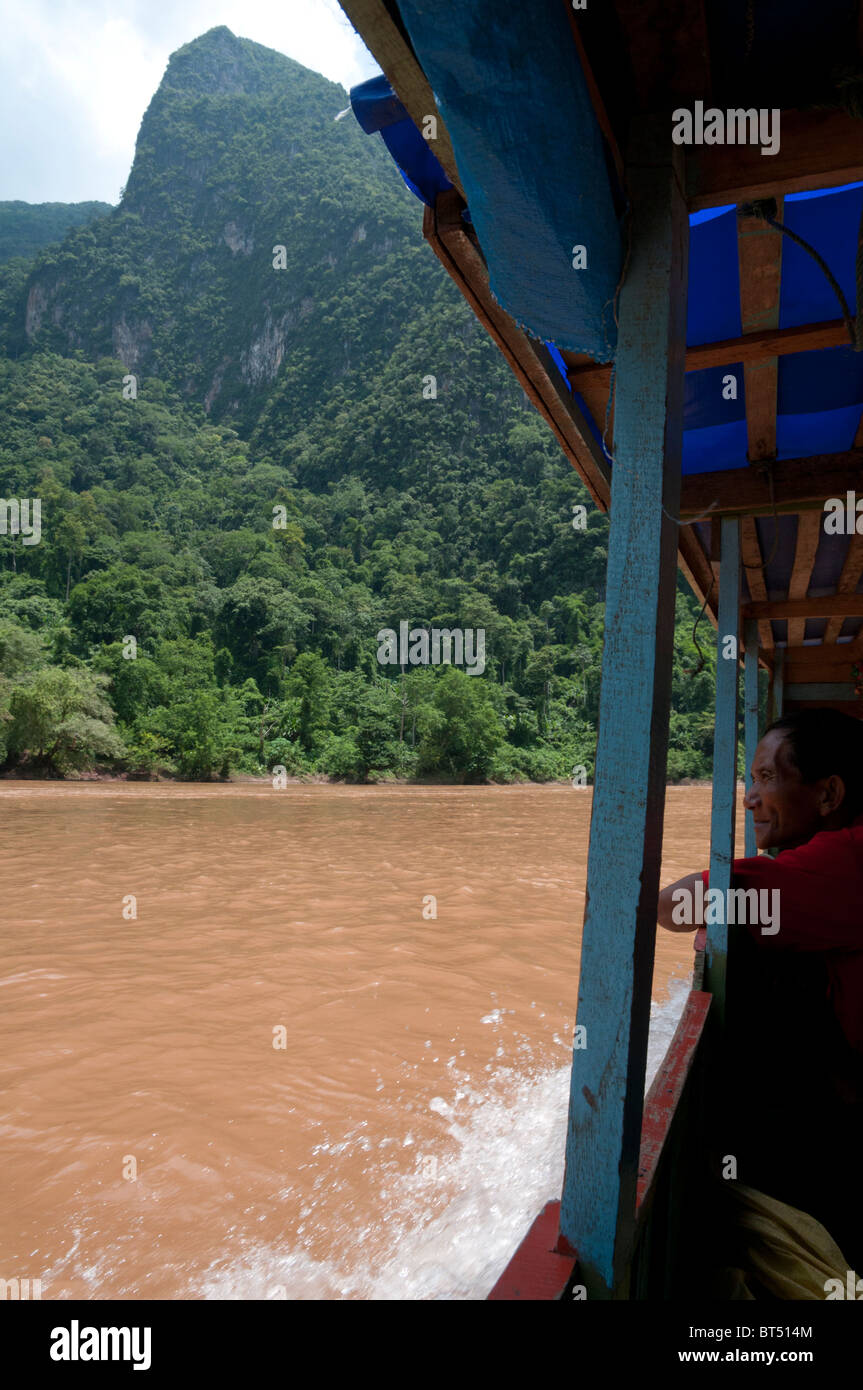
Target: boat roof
522,164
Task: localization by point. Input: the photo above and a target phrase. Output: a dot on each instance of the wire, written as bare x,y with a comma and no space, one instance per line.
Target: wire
702,657
765,209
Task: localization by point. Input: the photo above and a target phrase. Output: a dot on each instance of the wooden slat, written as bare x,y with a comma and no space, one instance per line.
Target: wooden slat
776,691
803,483
808,535
805,672
847,583
748,348
607,1086
759,250
845,605
750,549
818,149
853,707
818,691
821,654
768,342
530,361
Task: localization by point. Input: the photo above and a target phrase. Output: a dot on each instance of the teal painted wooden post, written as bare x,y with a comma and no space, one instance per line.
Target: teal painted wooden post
751,729
607,1090
722,818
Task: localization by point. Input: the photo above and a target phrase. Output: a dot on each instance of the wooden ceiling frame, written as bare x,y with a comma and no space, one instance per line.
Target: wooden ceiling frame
830,605
836,671
814,656
819,149
748,348
759,252
753,561
852,571
809,532
802,484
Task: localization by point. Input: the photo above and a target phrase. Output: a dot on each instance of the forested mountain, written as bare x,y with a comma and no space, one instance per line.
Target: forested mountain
26,227
252,470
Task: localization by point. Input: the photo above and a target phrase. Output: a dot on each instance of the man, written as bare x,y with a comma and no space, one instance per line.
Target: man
794,1051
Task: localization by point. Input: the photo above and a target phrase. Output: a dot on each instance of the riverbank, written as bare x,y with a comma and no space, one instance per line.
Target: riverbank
29,774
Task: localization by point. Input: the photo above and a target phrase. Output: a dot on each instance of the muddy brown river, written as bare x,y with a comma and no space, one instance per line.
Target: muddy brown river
304,1043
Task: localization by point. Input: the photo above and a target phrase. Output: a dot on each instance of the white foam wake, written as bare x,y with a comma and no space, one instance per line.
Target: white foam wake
448,1235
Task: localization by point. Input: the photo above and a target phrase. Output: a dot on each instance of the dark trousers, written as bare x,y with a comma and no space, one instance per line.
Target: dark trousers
793,1093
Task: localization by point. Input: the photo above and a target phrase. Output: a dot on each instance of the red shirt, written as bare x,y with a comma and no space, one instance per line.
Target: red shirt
820,909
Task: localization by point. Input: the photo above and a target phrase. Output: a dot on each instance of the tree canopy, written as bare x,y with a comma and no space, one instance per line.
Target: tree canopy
244,475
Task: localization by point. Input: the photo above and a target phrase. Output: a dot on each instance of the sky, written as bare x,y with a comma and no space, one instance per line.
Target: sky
76,77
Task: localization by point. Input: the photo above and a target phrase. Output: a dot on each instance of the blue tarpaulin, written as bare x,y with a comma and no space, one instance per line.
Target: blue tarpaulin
377,108
531,158
535,191
819,394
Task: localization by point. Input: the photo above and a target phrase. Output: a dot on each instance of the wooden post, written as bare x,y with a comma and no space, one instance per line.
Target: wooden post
722,818
751,727
776,693
607,1090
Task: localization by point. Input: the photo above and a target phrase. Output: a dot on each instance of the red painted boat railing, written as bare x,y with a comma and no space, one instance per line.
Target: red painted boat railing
544,1267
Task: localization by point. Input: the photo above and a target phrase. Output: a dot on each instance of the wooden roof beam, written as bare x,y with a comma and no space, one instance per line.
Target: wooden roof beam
808,535
759,249
749,348
847,584
843,652
843,605
798,484
830,662
806,673
753,562
818,149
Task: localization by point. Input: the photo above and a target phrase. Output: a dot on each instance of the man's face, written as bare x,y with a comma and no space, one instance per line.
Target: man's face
784,809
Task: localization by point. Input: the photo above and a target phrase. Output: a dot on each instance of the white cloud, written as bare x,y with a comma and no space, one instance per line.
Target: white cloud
76,77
